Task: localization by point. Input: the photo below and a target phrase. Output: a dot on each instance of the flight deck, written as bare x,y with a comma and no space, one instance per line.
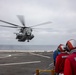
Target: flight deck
25,63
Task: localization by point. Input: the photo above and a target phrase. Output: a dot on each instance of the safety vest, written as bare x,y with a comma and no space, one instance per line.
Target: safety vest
59,67
72,59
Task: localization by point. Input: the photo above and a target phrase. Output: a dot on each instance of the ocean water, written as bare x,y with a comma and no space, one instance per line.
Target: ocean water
28,47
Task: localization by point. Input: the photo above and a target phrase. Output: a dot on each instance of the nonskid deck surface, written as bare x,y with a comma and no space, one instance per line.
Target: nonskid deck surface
24,63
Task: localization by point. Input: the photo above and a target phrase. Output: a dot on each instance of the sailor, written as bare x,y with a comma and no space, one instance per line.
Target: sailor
55,54
70,62
60,60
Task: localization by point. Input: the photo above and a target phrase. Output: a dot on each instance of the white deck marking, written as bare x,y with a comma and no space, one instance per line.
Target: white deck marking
40,55
51,64
6,56
20,63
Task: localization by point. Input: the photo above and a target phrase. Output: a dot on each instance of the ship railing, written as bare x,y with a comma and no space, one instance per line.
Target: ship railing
51,71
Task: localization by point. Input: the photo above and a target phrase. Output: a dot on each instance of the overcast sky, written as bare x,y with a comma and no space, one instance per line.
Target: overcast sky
62,14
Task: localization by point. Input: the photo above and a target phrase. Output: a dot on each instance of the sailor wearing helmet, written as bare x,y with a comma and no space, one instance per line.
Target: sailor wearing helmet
60,60
70,62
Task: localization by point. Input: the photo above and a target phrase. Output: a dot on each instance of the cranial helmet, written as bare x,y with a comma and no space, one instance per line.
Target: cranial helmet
61,47
71,44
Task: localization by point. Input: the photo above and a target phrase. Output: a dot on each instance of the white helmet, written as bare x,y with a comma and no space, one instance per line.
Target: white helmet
71,44
61,47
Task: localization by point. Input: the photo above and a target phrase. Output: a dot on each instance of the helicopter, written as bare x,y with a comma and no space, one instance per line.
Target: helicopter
25,33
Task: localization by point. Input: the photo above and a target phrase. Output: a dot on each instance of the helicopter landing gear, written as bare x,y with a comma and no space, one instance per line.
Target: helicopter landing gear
27,40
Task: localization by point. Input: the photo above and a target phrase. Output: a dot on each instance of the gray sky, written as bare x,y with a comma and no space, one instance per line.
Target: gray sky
62,14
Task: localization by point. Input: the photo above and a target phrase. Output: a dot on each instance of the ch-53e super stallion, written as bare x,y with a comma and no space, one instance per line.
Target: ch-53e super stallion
25,33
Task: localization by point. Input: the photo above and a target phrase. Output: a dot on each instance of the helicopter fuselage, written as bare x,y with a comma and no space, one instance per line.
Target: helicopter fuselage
24,34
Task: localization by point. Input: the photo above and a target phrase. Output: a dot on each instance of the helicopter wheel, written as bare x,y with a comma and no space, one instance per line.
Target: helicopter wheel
27,40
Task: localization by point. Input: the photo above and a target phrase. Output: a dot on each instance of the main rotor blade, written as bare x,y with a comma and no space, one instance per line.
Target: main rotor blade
8,26
43,29
21,18
41,24
9,23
